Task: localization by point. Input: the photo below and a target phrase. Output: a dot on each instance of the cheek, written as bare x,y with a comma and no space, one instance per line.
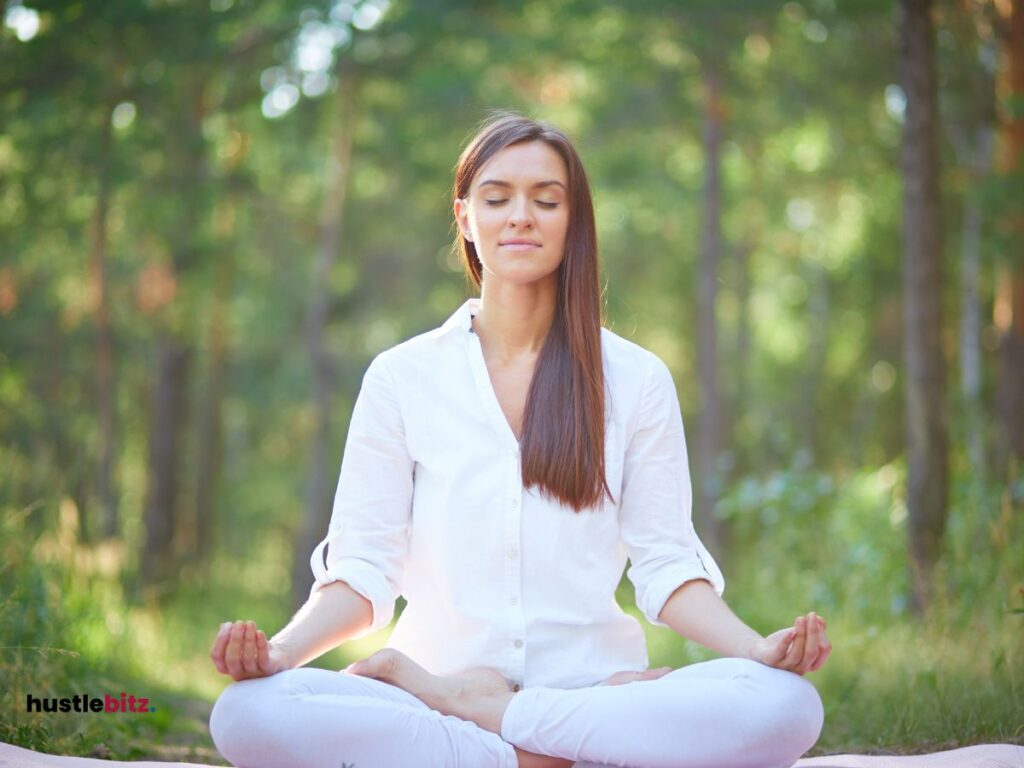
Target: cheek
486,221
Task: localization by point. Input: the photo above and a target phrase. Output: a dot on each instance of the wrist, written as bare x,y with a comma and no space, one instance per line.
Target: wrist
280,653
752,648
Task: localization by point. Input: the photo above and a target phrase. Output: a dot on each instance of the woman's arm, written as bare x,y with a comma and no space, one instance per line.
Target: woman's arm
333,614
696,612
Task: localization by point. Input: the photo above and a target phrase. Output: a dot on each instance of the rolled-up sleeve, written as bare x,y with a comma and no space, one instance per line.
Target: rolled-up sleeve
656,510
367,538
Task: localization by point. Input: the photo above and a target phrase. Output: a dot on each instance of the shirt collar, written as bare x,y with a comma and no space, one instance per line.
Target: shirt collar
461,319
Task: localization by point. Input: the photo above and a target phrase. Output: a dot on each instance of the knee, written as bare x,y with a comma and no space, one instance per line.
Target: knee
234,721
800,716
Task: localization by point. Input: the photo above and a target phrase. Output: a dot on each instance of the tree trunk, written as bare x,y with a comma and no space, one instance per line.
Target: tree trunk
169,414
977,156
1009,305
741,404
922,287
186,147
321,463
210,427
819,310
709,435
106,494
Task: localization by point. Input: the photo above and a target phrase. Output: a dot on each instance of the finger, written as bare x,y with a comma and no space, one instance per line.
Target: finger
824,649
263,652
780,645
811,646
220,642
796,649
233,654
249,650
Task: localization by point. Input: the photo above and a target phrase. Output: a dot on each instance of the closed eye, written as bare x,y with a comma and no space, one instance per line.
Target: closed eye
541,203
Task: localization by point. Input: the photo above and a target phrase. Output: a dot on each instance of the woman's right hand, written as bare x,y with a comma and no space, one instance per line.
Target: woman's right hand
242,651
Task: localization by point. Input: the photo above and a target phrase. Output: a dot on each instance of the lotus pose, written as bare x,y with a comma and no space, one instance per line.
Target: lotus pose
498,473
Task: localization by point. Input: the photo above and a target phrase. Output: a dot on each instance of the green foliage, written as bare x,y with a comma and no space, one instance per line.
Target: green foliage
214,217
834,543
66,630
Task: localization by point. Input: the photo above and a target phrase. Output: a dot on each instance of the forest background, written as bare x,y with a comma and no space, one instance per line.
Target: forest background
214,213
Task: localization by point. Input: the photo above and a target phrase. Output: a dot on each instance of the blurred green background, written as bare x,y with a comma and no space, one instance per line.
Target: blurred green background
214,213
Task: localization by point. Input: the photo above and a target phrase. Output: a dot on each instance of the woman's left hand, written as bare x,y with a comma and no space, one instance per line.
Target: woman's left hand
801,648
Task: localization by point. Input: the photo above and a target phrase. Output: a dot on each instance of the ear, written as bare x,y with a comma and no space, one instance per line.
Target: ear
462,218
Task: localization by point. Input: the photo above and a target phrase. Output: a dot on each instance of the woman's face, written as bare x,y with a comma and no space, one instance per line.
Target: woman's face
516,213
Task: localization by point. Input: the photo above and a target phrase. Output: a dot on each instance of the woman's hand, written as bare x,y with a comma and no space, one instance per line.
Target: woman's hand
801,648
242,651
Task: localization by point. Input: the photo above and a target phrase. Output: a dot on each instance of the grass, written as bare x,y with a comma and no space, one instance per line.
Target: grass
894,684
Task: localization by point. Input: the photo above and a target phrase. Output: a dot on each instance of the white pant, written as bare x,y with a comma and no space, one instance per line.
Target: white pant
725,713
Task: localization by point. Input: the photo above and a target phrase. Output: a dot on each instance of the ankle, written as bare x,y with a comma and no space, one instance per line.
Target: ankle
443,694
484,709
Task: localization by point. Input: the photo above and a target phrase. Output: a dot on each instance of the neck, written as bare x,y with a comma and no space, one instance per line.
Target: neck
513,320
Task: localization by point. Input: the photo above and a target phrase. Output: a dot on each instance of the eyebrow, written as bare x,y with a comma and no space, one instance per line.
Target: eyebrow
499,183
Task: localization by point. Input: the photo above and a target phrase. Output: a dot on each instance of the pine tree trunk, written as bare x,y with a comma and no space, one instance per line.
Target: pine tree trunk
169,416
922,287
742,394
210,427
819,311
709,435
106,388
1009,314
186,146
978,157
322,463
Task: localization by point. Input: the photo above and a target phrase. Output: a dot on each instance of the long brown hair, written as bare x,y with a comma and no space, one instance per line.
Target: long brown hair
563,421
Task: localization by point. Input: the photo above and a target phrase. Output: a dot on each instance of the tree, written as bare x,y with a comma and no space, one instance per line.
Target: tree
332,219
1010,286
922,292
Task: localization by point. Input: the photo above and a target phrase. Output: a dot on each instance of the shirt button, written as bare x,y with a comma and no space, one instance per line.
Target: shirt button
515,503
513,601
513,553
519,643
517,687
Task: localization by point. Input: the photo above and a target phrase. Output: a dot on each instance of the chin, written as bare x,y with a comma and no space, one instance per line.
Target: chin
522,276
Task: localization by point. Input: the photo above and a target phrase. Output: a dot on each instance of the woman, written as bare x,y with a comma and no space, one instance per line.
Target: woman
498,471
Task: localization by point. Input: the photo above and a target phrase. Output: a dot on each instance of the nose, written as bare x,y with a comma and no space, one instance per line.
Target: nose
520,216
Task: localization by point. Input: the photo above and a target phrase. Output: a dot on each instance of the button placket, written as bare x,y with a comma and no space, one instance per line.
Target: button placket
513,566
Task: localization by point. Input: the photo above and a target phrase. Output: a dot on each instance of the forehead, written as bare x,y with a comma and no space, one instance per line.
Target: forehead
524,165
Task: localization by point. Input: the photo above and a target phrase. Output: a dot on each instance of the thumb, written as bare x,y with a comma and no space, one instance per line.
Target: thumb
779,645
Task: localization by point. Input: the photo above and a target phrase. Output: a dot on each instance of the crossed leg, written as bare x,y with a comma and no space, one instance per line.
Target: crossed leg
315,718
727,712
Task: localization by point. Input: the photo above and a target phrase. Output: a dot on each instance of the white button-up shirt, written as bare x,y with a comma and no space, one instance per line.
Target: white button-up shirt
430,504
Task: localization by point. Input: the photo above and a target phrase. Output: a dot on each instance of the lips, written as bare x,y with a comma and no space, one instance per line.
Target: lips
519,244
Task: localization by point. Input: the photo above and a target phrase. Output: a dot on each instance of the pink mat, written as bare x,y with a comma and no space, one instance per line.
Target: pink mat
980,756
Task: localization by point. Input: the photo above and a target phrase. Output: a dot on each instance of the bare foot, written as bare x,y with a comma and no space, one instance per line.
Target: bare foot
479,695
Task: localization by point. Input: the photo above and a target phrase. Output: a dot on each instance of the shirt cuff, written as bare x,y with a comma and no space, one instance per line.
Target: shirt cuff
365,579
670,578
